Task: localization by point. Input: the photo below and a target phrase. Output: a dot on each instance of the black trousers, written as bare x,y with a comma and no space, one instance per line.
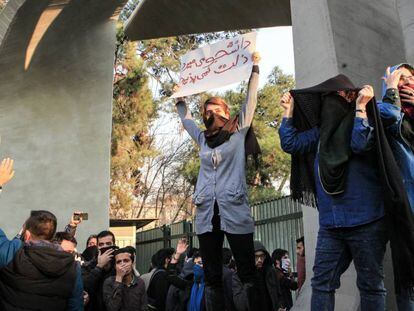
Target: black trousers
211,248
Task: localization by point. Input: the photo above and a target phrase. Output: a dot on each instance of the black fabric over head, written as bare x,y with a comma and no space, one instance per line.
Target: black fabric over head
307,115
337,120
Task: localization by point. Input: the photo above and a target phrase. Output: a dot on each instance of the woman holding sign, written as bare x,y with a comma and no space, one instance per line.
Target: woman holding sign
220,194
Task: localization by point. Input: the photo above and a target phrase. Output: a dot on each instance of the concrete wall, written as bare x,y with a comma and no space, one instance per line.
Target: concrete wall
55,116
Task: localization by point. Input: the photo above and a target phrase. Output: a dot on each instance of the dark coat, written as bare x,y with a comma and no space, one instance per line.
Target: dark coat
268,273
38,278
93,279
120,297
287,285
228,289
178,297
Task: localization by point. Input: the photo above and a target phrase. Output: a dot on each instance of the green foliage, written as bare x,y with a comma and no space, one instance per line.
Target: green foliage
133,112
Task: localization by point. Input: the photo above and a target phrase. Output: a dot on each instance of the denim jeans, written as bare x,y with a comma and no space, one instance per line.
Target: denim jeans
405,300
335,250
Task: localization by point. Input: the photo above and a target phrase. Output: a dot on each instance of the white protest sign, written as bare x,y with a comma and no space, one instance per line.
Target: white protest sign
225,62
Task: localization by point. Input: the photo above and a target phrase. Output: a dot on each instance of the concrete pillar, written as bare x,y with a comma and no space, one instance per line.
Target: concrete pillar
406,13
56,64
359,39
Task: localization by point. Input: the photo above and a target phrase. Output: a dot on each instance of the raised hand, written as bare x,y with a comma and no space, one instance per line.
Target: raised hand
392,79
105,258
287,104
181,246
75,222
256,58
6,171
364,96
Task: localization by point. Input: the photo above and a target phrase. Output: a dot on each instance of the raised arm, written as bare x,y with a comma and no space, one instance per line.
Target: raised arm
291,140
187,120
249,106
362,133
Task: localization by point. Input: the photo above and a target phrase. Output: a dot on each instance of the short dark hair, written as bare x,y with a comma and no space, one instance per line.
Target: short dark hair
196,254
158,259
227,255
105,233
301,240
191,252
92,236
407,66
129,249
278,254
41,224
60,236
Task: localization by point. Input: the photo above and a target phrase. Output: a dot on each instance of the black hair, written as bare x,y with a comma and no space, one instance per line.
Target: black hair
301,240
158,259
407,66
41,224
196,254
191,251
278,254
105,233
129,249
60,236
92,236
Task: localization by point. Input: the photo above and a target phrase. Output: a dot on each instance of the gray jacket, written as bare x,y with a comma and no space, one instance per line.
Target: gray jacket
222,175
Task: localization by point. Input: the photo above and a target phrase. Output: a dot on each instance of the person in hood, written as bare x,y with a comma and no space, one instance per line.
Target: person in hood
37,274
221,190
327,131
397,114
268,288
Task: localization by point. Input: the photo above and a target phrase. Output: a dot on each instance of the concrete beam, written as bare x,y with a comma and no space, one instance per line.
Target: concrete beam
163,18
56,108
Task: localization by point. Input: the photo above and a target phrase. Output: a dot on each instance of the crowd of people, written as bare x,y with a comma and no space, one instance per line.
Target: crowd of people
41,269
352,158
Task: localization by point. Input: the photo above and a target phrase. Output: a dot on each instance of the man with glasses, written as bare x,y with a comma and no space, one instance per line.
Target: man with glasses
268,285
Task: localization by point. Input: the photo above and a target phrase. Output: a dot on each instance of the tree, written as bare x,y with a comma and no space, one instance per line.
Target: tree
133,111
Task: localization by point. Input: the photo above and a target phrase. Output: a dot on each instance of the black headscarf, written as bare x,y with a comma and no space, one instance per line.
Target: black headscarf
219,130
307,114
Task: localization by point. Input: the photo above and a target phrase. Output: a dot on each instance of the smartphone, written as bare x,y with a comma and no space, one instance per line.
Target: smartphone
77,216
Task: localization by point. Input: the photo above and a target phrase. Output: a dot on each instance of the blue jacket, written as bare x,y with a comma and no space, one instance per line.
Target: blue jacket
362,201
9,248
392,117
